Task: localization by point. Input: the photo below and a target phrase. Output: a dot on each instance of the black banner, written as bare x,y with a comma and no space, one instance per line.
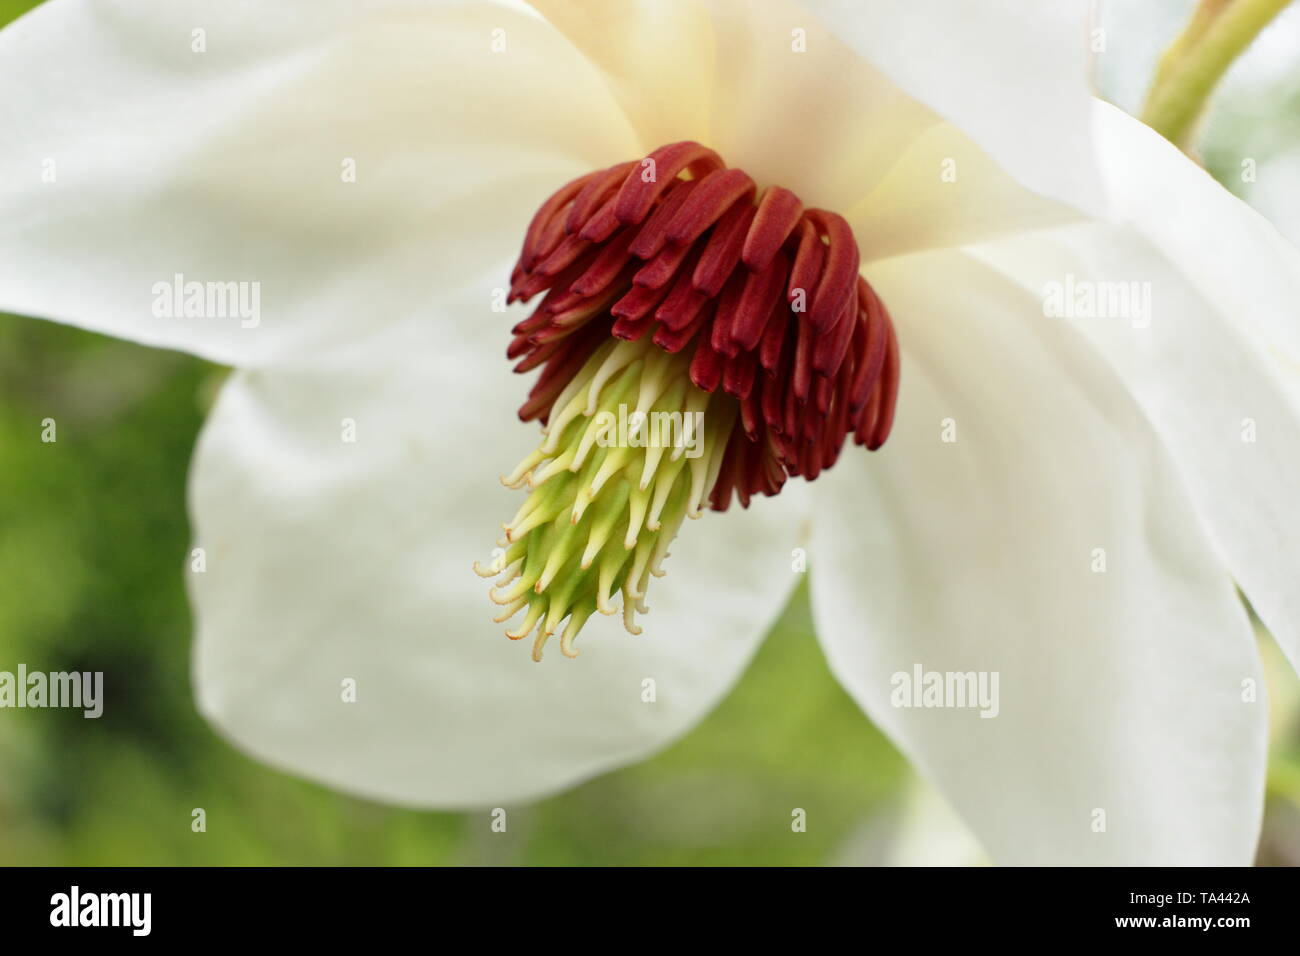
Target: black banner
333,905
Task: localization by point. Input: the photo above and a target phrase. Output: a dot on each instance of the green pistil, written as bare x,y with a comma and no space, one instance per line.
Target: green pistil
604,503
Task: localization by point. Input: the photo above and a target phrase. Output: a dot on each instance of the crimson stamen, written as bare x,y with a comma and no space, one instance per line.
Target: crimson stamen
674,246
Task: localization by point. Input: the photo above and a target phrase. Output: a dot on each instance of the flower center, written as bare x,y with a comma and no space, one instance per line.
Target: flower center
670,291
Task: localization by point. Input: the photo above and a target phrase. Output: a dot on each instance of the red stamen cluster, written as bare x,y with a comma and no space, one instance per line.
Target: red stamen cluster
675,247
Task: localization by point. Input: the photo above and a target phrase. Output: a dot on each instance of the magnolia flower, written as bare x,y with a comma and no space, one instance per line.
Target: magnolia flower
1064,504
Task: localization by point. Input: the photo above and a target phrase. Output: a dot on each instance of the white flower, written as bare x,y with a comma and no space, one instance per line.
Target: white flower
373,165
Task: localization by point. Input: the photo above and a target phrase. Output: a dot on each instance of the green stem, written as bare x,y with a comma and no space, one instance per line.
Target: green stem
1216,35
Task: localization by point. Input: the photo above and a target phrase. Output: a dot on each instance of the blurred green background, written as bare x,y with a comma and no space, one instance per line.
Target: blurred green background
93,533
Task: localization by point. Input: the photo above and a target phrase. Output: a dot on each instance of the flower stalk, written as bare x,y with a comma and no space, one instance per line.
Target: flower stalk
1195,62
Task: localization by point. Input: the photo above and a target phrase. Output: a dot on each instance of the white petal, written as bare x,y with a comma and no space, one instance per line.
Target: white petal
944,191
823,122
779,95
231,165
931,834
729,74
1013,74
656,57
1119,692
1228,252
918,828
1215,359
329,561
